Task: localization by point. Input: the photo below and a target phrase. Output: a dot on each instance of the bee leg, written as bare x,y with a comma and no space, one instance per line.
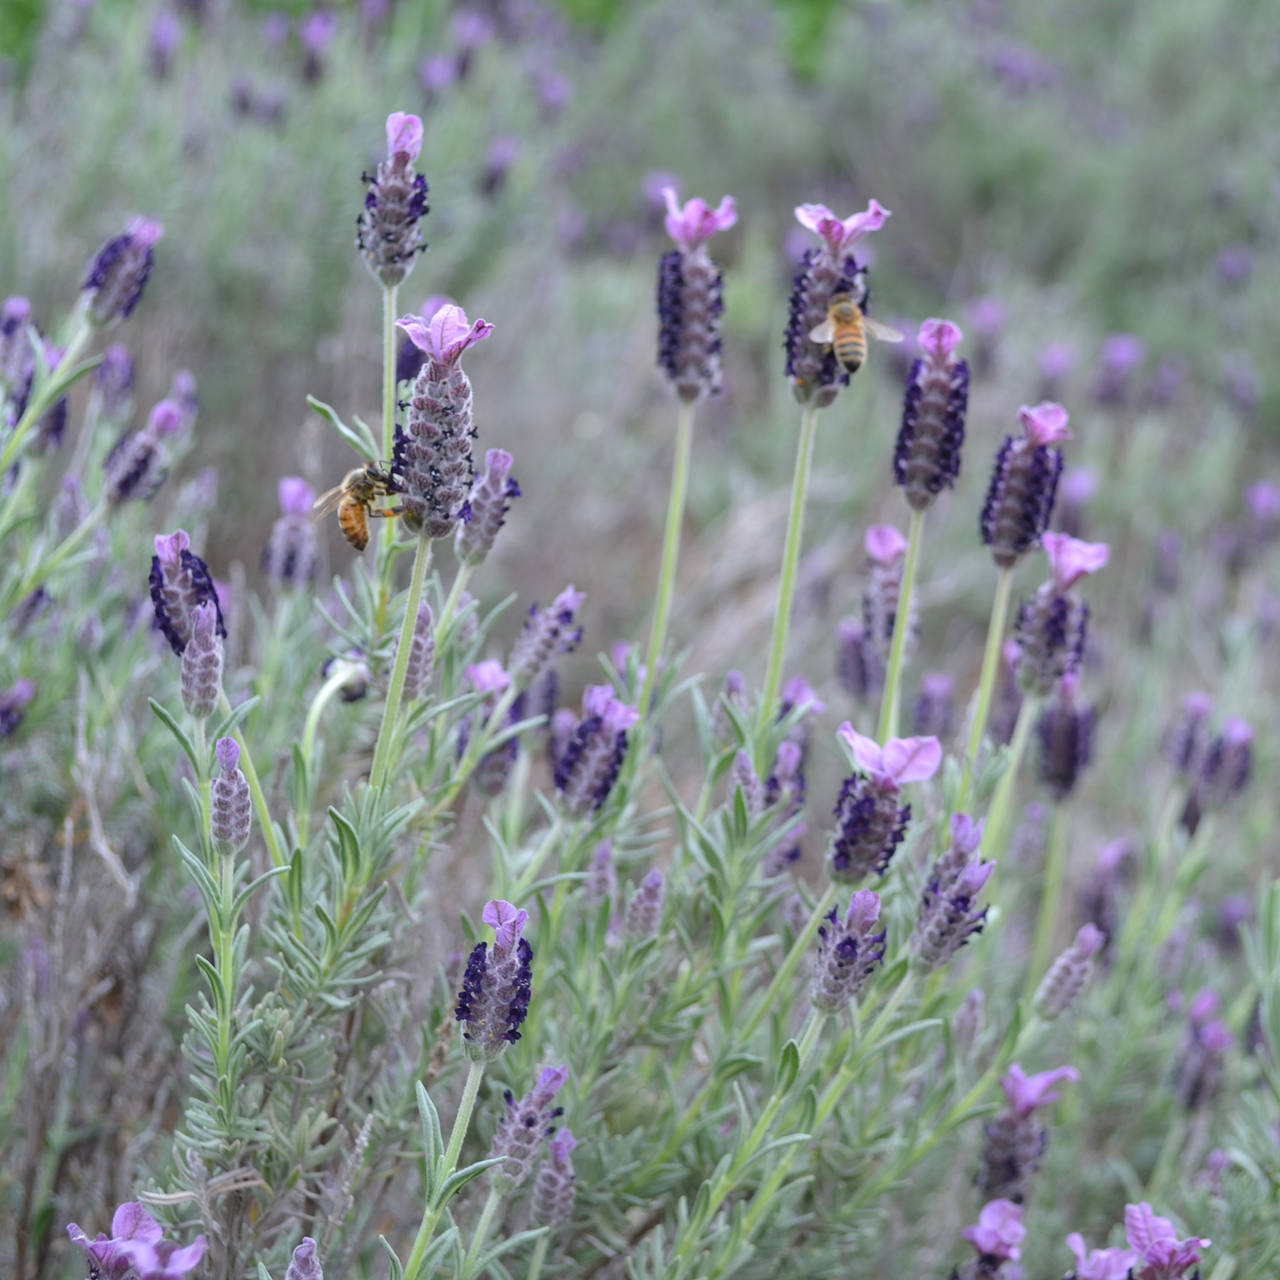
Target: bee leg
388,513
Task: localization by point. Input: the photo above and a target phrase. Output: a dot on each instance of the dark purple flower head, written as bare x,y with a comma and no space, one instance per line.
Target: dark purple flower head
593,756
547,632
1015,1138
180,581
1023,484
135,466
389,236
497,984
437,72
521,1131
136,1249
949,914
848,952
926,459
118,275
1187,738
1161,1255
15,345
1227,764
13,704
859,666
491,498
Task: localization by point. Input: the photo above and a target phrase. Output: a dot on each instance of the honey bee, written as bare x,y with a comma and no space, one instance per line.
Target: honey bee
354,501
847,328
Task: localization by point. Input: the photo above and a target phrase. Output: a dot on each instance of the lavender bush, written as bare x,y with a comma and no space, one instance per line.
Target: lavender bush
337,942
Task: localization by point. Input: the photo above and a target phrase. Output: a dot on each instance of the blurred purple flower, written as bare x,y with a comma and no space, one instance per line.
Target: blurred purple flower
1162,1256
503,152
436,73
166,36
276,28
999,1232
1235,264
1028,1093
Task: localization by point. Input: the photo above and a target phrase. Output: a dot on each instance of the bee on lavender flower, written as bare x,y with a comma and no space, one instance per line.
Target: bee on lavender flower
355,498
847,326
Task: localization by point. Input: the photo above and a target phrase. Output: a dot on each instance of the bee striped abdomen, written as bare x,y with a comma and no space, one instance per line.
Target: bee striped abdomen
851,343
353,520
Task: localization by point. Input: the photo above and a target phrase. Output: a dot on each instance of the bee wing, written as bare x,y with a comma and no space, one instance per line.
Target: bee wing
823,334
329,501
884,332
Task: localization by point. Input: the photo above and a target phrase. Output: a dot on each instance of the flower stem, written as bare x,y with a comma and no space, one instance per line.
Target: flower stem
395,693
996,834
450,606
1055,870
388,370
670,550
990,665
539,1256
790,565
431,1215
901,630
482,1229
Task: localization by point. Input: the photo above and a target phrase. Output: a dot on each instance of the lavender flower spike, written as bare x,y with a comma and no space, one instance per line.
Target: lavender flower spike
289,558
202,662
886,548
927,457
1187,738
520,1132
497,984
551,1202
869,823
180,581
644,911
1023,485
1015,1139
118,275
422,655
815,372
1227,764
848,952
490,501
1052,626
433,451
690,299
949,916
997,1237
1068,974
15,346
546,633
588,768
304,1265
388,235
231,813
133,468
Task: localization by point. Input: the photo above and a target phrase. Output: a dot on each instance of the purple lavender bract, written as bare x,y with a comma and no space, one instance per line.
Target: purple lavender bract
949,916
546,633
231,812
202,663
118,275
848,953
490,501
180,581
520,1132
289,558
589,765
554,1189
1065,730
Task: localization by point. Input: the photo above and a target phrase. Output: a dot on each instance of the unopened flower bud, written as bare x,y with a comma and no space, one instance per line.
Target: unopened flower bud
551,1202
966,1026
547,632
927,457
202,663
949,914
1020,497
490,501
1065,730
848,952
497,984
118,275
388,235
1187,739
1068,974
231,808
644,911
521,1131
690,299
135,466
422,655
602,879
180,581
289,558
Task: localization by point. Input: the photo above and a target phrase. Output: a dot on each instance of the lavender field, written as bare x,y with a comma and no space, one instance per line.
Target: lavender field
639,640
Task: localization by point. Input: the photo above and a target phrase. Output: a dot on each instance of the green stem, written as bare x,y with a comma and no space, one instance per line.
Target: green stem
391,711
1055,871
226,957
318,704
996,833
388,370
87,431
527,877
202,778
450,606
63,550
799,949
482,1227
901,630
670,551
431,1214
790,565
990,666
539,1256
255,789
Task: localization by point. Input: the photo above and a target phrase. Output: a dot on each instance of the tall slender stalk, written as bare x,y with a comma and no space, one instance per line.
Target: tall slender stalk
491,1203
388,370
890,700
670,550
395,692
990,665
1055,871
790,564
996,834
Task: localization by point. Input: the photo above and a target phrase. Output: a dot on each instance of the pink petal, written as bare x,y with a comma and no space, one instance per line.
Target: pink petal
1070,559
562,1145
569,600
798,691
497,466
841,235
812,216
864,910
165,418
404,135
488,676
939,338
966,835
885,545
697,222
1045,423
169,549
553,1078
145,231
1088,939
507,922
911,759
866,751
596,699
183,1260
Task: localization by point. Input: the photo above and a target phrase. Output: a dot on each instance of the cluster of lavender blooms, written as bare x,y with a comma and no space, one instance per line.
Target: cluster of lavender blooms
723,1025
